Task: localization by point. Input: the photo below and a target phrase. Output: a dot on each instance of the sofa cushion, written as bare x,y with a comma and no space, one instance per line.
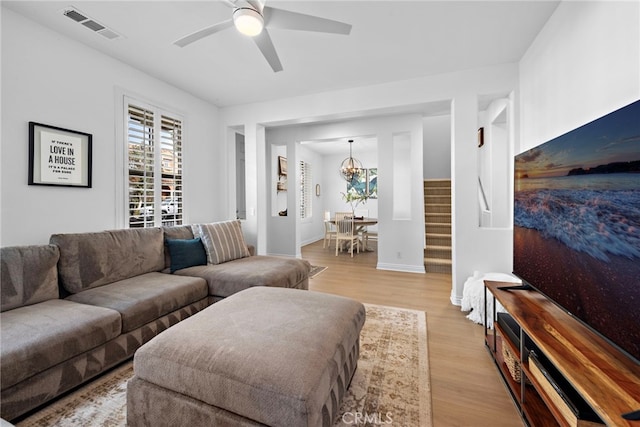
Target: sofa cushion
29,275
37,337
222,240
179,232
260,270
145,298
186,253
89,260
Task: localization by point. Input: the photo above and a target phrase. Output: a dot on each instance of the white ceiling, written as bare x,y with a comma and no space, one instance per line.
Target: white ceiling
327,147
390,41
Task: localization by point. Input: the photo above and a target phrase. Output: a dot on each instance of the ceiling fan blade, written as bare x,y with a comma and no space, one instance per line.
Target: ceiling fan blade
230,3
204,33
256,4
263,40
284,19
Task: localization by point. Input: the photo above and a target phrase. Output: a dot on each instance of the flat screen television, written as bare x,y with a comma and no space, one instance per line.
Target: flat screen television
576,232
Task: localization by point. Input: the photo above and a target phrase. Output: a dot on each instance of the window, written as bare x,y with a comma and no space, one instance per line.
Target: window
154,158
305,190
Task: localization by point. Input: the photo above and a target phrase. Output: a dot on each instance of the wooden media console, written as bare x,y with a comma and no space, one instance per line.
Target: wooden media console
579,374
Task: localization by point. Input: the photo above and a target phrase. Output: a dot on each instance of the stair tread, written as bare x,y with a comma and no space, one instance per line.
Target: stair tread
439,261
442,235
438,247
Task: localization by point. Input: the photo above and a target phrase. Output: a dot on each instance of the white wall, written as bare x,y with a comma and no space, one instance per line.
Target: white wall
312,228
282,241
50,79
585,63
437,147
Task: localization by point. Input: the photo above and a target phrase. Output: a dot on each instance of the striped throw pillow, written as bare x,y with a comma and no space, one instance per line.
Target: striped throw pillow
223,241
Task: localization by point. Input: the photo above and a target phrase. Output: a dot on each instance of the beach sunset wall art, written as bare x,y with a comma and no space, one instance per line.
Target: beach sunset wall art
577,224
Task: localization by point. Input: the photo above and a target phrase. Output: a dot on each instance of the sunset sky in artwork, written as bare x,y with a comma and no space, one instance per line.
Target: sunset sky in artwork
612,138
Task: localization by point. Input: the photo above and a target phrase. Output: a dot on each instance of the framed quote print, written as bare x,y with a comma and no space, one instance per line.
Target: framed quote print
58,156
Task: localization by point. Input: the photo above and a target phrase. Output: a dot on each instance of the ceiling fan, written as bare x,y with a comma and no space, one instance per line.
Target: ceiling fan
252,18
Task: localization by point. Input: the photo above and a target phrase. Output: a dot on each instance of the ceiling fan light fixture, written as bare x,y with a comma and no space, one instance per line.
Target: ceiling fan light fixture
248,21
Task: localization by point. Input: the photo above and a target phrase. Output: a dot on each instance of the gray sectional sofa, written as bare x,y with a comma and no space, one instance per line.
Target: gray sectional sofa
86,302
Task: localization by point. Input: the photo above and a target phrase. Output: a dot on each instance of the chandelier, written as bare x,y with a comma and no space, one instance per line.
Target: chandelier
350,167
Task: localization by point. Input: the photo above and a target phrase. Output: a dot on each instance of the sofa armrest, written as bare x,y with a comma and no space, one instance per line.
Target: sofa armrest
29,275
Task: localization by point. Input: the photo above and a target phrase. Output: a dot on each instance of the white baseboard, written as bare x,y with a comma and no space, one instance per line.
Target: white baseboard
312,240
456,300
284,255
402,267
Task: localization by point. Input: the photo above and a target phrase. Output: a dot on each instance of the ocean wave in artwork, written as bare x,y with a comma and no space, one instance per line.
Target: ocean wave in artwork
597,222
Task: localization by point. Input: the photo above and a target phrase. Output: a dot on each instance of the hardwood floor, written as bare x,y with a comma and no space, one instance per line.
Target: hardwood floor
466,387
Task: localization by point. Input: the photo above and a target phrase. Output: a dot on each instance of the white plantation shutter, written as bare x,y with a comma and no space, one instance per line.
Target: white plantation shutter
154,158
305,190
141,185
171,159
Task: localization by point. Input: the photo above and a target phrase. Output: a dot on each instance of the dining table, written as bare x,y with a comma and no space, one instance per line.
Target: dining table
360,222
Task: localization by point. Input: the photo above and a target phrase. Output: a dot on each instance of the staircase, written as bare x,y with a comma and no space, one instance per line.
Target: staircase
437,224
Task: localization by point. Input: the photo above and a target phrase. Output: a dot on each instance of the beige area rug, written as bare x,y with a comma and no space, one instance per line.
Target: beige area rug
315,270
391,386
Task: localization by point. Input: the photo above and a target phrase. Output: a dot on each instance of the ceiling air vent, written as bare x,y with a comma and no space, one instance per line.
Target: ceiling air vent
90,23
73,14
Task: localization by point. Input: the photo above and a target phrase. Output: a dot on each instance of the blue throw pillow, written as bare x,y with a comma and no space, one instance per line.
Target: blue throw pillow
186,253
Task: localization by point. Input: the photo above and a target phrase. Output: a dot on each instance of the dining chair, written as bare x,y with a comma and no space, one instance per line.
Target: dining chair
367,235
345,232
364,231
329,233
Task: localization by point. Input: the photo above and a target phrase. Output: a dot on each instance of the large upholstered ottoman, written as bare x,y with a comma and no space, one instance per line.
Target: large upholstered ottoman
263,356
